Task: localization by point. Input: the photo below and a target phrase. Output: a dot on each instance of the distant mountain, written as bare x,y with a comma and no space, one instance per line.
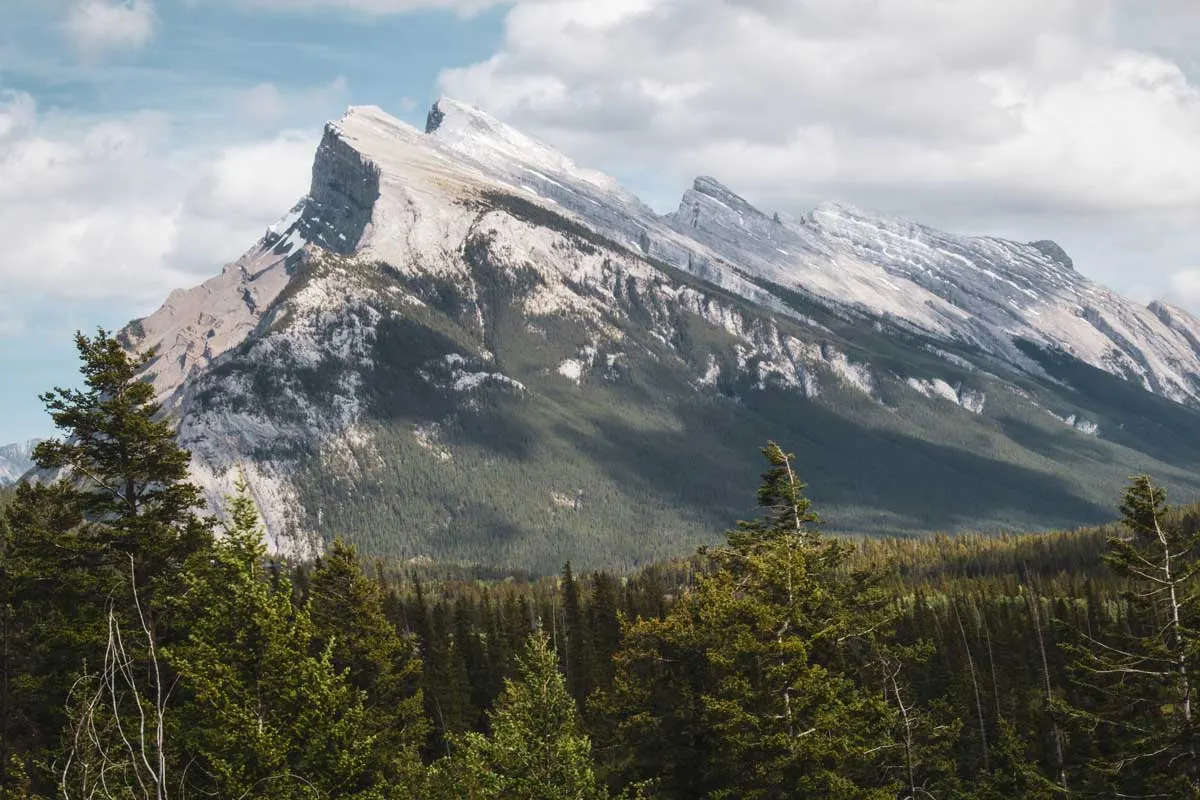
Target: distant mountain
462,346
16,460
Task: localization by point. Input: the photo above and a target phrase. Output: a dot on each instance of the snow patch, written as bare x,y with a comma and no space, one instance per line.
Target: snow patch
968,399
1084,426
572,370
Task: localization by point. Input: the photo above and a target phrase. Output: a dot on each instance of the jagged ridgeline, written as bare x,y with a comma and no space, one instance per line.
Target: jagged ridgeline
461,346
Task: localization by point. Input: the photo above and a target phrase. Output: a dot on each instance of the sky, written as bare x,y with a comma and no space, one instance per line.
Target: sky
145,143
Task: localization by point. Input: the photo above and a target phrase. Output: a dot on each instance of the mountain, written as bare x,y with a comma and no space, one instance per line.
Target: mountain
460,345
16,460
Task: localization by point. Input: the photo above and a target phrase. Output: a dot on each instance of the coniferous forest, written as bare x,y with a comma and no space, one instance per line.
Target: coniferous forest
150,651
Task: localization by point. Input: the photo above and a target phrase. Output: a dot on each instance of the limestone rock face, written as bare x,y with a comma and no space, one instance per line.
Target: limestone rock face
466,295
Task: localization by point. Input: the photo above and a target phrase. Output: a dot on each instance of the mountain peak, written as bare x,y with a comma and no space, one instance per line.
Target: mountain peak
709,187
421,260
1054,252
499,148
839,209
463,115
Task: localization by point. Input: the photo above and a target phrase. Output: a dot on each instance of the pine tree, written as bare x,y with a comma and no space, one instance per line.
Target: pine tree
536,749
122,514
604,627
129,474
1146,674
347,611
749,687
261,715
575,649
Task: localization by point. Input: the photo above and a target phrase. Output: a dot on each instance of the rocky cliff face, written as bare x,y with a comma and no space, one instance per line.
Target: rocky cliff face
457,326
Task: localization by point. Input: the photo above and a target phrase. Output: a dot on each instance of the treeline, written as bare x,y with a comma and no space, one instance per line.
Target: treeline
148,651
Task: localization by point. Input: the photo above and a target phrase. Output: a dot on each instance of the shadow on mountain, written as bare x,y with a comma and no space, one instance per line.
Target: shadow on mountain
933,486
1148,423
1067,446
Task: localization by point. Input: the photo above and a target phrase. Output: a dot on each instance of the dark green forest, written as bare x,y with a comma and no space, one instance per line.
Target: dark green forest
150,651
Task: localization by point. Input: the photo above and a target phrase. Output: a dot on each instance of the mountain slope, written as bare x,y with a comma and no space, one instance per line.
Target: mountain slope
15,460
462,346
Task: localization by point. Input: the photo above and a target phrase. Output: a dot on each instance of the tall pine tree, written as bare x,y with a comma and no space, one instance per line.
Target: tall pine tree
536,749
750,686
347,611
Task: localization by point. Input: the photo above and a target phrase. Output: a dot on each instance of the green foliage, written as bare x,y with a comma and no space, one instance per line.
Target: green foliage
142,657
759,655
131,477
536,748
366,648
97,551
1143,672
264,716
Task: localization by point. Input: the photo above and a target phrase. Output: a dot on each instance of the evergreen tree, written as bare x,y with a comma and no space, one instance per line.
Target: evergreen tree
261,715
536,749
749,688
347,611
604,627
120,516
1146,674
118,452
575,648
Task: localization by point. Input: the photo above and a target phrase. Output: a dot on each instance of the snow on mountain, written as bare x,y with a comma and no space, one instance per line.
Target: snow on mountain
268,362
16,460
980,291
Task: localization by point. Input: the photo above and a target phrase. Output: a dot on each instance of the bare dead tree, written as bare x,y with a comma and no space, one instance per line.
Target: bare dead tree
974,683
1035,610
118,735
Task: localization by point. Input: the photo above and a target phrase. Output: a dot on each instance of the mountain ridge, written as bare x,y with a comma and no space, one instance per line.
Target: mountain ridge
16,459
431,281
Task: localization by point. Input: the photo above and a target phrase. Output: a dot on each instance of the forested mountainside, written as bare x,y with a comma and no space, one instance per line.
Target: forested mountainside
461,346
148,651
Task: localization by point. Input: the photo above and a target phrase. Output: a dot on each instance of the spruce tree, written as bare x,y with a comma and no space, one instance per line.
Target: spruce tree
110,519
575,648
120,455
536,749
263,712
1145,675
347,611
750,686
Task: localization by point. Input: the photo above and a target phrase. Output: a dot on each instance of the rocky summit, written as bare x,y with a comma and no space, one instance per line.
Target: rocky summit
462,346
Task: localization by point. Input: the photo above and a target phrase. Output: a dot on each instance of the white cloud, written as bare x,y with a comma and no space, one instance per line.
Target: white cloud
376,7
1043,113
267,105
98,27
116,208
1184,288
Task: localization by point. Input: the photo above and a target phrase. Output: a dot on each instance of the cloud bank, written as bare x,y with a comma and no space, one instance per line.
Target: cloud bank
977,115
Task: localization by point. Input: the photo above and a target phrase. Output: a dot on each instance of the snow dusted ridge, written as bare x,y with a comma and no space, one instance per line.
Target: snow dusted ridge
240,355
981,292
16,460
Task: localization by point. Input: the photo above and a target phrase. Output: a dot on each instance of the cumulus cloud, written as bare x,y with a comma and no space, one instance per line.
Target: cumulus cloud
1185,287
99,27
375,7
1060,113
116,208
267,105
